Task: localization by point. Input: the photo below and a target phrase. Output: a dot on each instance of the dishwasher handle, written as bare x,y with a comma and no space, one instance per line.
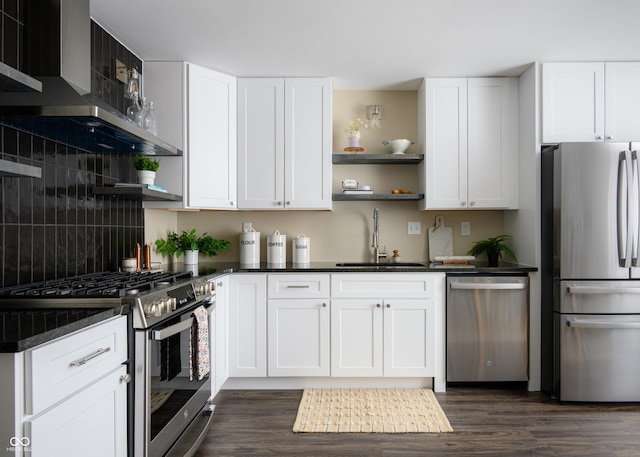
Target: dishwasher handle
489,286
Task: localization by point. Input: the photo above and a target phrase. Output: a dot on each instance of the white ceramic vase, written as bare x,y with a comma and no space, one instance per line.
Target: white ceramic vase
191,257
146,177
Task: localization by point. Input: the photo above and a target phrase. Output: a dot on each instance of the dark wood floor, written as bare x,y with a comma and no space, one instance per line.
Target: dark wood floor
487,422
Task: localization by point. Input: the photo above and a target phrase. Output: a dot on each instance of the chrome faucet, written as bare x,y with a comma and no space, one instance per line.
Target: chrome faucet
377,255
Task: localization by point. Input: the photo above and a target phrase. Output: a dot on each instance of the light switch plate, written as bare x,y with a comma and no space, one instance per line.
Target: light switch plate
414,228
465,228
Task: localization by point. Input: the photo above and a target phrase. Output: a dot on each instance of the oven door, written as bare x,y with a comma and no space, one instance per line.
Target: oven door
169,397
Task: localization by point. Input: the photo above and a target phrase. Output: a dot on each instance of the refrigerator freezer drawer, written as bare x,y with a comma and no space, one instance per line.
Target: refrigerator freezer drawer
599,297
599,357
487,329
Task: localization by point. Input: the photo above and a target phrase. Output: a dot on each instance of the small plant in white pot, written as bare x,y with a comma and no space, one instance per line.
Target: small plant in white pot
190,244
147,167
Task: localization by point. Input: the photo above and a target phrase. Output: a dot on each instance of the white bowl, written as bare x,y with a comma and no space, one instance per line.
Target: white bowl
398,146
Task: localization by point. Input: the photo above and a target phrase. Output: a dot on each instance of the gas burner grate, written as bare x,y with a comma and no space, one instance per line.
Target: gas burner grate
103,284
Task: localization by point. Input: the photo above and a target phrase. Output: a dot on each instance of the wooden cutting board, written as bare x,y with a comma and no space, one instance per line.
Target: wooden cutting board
440,240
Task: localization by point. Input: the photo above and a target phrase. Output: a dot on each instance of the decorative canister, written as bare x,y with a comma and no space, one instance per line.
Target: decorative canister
301,246
250,247
277,249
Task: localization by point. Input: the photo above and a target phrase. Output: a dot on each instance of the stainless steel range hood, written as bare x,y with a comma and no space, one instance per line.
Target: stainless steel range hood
58,53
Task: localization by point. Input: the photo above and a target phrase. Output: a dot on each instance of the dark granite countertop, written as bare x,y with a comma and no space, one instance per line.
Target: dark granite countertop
22,329
331,267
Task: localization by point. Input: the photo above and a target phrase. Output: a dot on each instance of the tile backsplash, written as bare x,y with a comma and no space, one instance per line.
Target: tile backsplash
54,226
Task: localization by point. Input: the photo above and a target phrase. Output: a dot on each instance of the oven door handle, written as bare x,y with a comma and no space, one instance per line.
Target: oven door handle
163,334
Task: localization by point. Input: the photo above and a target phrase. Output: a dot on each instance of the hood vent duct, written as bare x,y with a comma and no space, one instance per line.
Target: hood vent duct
58,53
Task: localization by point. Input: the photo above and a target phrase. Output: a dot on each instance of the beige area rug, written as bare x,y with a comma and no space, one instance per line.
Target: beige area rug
158,397
370,411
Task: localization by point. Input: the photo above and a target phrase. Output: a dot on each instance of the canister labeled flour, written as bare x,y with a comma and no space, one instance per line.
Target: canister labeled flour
301,246
250,248
277,248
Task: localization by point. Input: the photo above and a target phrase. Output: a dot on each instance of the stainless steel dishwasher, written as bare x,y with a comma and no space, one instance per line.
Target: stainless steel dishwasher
487,328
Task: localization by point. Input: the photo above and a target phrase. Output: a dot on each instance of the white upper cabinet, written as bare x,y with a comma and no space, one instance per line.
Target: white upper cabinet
284,143
590,101
196,108
468,129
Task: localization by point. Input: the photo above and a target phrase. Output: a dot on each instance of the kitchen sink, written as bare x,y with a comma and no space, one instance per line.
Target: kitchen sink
379,265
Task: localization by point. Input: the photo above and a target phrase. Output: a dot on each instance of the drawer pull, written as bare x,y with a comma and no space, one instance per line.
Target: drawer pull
299,287
80,362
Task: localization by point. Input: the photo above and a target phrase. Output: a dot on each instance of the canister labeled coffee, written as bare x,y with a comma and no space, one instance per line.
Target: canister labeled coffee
301,246
277,248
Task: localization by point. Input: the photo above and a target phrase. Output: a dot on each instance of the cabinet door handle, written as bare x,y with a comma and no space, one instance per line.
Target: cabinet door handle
126,378
599,137
377,305
473,203
463,203
388,305
288,203
279,203
82,361
324,305
231,203
219,284
305,286
610,137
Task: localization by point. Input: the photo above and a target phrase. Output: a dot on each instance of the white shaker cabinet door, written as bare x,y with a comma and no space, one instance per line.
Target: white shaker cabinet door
92,422
409,337
356,337
446,143
573,98
308,143
298,332
211,126
261,143
247,309
622,101
492,147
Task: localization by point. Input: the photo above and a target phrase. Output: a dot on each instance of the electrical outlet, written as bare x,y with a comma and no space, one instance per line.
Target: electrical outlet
413,228
246,226
465,228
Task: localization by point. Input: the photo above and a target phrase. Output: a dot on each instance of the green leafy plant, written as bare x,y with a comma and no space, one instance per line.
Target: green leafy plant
189,241
493,247
142,162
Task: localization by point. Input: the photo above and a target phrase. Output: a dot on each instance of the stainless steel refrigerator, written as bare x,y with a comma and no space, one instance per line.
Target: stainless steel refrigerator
591,272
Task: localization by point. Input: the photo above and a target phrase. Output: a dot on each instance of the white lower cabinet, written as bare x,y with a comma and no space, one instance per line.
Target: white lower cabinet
298,325
92,422
247,325
387,334
382,337
68,397
298,337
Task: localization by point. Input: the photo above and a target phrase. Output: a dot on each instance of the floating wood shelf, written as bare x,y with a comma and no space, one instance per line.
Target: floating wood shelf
399,159
137,193
369,197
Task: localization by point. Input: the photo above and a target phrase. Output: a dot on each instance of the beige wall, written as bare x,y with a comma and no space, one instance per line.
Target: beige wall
344,234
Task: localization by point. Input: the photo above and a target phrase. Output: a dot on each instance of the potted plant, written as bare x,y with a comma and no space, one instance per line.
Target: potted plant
189,244
147,167
493,247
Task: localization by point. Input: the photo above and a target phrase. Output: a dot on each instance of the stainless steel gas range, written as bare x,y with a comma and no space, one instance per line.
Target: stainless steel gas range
170,408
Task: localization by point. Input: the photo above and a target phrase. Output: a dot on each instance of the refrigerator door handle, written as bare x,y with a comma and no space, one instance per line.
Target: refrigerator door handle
576,323
602,290
625,235
634,213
